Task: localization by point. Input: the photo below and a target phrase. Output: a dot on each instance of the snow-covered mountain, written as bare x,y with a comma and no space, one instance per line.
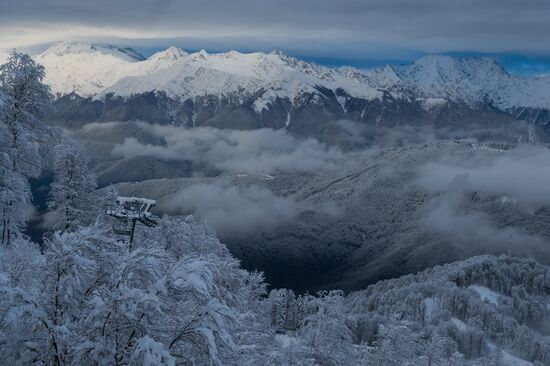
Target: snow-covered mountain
475,80
486,310
254,90
94,70
89,69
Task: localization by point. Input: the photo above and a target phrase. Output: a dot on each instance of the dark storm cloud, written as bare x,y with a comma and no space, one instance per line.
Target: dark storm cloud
353,27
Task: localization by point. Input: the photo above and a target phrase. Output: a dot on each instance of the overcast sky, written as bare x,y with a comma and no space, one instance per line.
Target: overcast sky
353,30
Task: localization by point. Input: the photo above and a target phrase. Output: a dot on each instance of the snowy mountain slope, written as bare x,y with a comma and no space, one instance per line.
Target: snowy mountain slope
89,69
435,317
83,68
382,230
255,90
473,80
202,73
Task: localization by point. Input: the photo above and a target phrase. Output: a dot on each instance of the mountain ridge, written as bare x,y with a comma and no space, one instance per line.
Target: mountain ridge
255,90
439,71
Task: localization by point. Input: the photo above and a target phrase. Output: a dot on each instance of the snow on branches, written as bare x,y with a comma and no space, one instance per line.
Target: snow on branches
72,199
22,95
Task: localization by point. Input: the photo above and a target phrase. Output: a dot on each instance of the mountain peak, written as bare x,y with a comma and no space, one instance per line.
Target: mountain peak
485,64
67,48
445,63
172,54
433,63
278,52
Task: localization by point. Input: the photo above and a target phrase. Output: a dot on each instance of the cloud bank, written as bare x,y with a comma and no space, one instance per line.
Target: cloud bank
522,175
263,151
234,209
519,177
353,28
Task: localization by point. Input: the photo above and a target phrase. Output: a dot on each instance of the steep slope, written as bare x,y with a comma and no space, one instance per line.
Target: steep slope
385,223
87,69
473,81
221,74
83,68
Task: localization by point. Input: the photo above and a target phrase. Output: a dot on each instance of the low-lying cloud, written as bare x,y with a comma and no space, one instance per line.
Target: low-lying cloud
262,151
522,175
234,209
367,135
102,126
519,177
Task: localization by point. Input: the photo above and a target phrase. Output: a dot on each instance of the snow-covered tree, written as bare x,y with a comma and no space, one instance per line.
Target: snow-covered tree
397,345
148,352
326,333
93,300
22,94
283,309
15,200
72,199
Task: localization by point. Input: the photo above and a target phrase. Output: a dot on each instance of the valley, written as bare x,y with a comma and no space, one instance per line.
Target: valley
353,212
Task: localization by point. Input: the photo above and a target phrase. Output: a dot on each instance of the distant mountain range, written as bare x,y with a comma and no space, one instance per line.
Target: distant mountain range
247,91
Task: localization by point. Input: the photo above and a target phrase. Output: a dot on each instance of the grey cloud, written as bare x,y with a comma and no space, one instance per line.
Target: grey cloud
321,26
101,126
518,177
383,137
521,175
234,209
362,134
472,229
261,151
